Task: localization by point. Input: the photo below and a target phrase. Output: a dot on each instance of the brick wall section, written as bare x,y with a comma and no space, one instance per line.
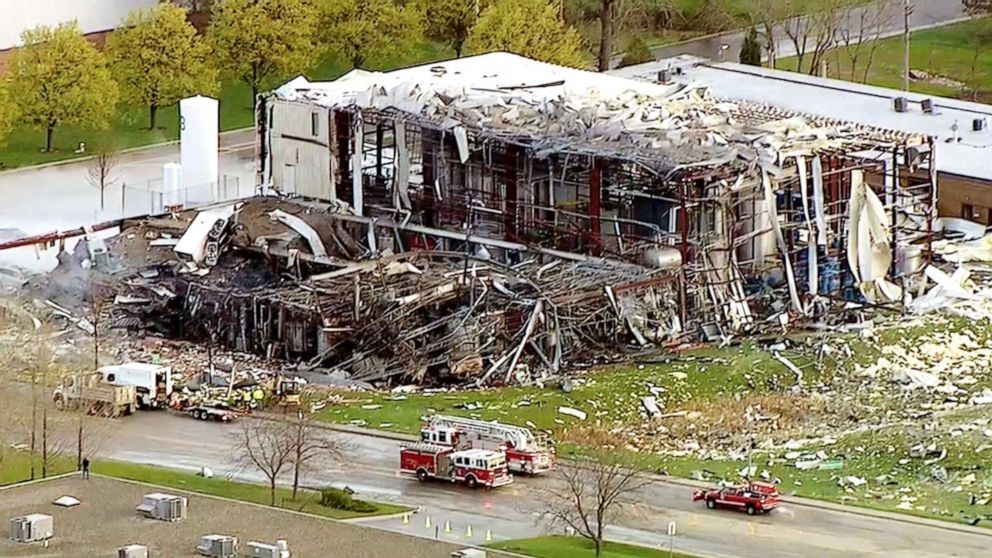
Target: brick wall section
99,39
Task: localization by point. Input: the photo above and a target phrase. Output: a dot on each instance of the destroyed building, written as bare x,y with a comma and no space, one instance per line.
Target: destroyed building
751,211
495,219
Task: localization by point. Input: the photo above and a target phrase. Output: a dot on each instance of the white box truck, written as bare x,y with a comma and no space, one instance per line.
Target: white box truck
152,382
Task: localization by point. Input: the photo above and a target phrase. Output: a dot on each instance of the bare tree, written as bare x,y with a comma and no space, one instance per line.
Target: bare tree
860,31
766,17
592,490
310,444
814,34
267,446
102,170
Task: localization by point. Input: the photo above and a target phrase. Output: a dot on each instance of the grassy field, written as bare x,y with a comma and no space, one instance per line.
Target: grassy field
16,467
130,127
574,547
943,51
719,384
308,501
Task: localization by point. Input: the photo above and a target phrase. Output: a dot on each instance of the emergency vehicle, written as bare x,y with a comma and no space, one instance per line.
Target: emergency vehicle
754,498
473,467
524,453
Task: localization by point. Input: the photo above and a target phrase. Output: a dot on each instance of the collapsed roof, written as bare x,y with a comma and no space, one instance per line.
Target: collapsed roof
554,109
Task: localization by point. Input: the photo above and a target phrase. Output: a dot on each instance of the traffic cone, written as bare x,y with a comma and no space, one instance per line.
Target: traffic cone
468,532
427,522
406,519
447,526
489,535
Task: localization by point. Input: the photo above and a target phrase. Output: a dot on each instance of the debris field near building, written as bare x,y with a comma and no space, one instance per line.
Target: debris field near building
495,219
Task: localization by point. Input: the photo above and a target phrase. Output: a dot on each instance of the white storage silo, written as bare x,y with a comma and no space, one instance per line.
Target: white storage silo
199,128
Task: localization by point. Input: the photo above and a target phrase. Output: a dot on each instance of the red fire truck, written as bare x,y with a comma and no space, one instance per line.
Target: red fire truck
524,453
754,497
473,467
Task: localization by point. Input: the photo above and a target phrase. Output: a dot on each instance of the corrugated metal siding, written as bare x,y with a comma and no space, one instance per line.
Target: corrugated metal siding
295,145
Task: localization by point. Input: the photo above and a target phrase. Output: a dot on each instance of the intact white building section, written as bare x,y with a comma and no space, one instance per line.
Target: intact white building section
91,15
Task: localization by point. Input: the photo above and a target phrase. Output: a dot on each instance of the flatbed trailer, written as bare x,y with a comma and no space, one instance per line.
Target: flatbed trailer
209,412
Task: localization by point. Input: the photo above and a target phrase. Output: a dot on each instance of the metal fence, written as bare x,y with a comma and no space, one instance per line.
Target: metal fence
150,197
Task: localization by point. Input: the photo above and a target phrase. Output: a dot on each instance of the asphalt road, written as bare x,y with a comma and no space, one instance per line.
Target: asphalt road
515,511
926,13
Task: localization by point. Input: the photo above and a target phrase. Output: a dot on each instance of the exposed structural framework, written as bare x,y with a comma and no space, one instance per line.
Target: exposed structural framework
753,214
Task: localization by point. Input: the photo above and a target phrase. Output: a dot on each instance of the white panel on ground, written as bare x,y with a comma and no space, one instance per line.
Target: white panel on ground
199,127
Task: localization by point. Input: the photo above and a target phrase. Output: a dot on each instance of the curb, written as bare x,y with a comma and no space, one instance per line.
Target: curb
127,151
371,518
22,484
344,428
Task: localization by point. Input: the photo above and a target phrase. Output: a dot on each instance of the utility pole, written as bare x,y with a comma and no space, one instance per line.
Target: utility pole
907,10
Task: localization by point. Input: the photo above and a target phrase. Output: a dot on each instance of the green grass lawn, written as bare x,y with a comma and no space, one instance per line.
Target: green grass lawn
16,467
308,501
130,127
574,547
944,51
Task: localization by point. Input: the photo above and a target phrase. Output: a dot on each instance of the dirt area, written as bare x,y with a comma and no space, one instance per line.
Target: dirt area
106,520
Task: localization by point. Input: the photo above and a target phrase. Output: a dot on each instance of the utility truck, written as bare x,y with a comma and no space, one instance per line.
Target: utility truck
94,395
524,452
152,382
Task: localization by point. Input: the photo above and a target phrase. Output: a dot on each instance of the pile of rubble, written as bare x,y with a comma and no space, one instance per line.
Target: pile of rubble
290,281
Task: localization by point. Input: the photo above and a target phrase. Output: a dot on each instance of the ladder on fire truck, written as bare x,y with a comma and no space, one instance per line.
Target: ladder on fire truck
519,437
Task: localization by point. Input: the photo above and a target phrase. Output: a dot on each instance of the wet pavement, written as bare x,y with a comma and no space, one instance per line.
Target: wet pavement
515,511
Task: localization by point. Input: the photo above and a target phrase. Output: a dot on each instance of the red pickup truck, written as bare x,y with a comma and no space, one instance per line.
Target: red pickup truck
754,498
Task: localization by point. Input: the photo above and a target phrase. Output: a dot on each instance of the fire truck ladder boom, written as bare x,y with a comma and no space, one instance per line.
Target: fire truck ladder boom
521,438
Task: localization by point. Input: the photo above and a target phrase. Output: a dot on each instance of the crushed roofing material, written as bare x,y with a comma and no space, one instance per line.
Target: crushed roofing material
553,109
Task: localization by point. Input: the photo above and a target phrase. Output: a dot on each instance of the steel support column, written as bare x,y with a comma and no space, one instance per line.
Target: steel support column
595,206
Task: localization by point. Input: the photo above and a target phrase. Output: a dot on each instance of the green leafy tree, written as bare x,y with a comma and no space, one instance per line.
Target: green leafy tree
450,21
369,31
60,79
751,49
158,59
529,28
8,111
256,41
637,52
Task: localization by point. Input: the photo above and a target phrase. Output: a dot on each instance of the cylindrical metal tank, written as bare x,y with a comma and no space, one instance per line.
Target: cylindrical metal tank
199,128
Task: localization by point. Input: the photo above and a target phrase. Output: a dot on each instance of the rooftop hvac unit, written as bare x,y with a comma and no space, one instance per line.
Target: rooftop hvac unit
263,550
31,528
218,546
165,507
928,106
978,124
132,551
900,104
664,76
